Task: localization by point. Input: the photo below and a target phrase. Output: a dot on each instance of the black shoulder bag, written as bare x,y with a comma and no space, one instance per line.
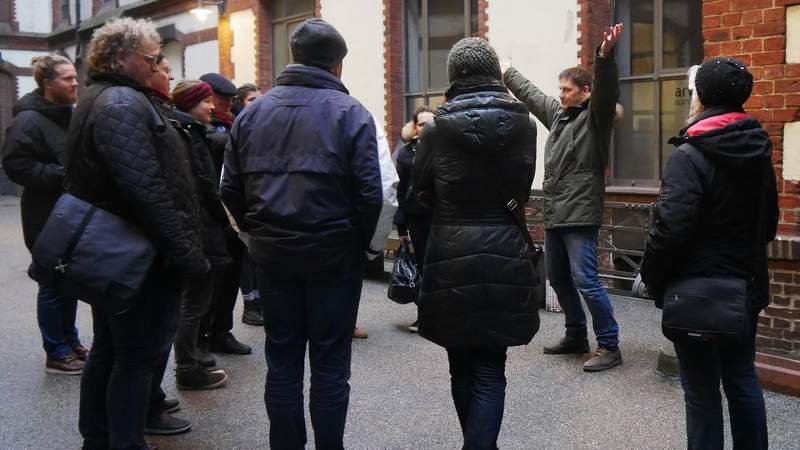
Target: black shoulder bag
536,252
712,308
90,254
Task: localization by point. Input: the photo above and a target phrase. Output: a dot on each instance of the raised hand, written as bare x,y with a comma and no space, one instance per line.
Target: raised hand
610,38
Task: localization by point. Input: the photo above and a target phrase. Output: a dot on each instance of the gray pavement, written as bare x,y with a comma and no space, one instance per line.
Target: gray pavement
400,387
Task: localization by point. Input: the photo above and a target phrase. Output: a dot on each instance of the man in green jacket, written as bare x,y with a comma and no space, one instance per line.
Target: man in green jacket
580,121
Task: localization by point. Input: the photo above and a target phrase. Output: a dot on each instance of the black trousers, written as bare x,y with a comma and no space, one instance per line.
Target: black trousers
219,319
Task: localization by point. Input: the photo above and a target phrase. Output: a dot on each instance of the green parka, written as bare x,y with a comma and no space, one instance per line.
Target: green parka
576,152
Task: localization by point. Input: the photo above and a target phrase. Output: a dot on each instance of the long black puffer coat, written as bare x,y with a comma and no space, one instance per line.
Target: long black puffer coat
33,151
705,218
478,287
125,156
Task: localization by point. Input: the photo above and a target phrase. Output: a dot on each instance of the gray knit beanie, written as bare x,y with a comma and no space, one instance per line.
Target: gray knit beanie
472,57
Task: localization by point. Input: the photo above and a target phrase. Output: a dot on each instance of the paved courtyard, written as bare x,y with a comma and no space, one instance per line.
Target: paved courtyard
400,385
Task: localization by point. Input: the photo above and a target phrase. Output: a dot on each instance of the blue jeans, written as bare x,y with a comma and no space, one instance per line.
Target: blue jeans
318,310
56,316
478,385
703,364
571,258
127,353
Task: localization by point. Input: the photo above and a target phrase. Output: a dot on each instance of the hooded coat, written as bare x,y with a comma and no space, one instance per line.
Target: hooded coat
33,155
478,153
705,219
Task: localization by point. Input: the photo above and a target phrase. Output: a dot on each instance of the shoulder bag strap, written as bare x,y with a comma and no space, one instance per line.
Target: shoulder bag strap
513,208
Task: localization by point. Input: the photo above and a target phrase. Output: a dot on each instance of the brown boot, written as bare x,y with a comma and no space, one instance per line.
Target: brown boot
81,352
360,334
70,365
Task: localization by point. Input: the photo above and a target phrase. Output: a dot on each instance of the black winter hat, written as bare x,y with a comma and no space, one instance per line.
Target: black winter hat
723,81
316,43
472,57
220,84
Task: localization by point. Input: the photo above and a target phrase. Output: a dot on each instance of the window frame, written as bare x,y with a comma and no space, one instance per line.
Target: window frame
657,77
426,93
284,21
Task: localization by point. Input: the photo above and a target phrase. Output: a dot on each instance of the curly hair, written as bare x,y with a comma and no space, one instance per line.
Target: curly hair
44,67
116,35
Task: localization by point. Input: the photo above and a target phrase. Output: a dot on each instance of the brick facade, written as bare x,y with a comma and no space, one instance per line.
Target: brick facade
594,17
394,70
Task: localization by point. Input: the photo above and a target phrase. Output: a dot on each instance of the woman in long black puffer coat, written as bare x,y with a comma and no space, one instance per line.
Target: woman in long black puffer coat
477,296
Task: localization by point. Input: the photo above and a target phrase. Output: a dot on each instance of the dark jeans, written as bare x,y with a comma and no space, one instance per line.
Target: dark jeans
478,384
117,380
248,283
219,319
702,365
571,258
56,316
318,309
196,296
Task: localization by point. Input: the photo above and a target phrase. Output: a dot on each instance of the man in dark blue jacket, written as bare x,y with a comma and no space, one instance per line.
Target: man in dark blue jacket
302,178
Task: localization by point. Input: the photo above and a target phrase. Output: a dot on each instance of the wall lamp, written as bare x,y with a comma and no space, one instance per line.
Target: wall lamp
202,12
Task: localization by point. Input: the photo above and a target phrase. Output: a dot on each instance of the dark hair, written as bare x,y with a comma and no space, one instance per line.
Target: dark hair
579,76
420,110
245,89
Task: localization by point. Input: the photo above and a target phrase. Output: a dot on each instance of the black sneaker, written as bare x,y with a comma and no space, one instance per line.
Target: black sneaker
199,379
204,358
568,345
170,405
164,424
252,314
603,359
227,343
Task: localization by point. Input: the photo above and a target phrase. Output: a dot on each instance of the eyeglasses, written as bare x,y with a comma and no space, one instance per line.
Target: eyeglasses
152,59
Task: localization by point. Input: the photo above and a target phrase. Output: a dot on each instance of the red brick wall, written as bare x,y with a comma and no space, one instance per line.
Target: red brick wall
394,72
594,18
263,29
755,32
483,19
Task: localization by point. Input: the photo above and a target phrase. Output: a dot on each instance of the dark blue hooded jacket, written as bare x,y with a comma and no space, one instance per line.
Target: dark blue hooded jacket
302,175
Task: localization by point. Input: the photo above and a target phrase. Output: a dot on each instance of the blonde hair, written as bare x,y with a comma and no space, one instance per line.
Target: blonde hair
44,67
116,35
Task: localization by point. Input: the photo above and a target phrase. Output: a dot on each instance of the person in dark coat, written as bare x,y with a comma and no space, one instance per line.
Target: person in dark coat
706,224
33,155
477,298
580,122
125,157
302,178
215,330
193,109
412,217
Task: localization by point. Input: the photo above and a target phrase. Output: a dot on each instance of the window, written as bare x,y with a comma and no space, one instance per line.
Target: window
65,12
286,16
432,27
662,39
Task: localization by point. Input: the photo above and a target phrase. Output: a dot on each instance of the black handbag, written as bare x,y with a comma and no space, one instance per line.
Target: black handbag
90,254
536,252
712,308
404,287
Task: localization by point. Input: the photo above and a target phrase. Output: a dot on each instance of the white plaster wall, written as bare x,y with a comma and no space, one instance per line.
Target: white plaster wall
793,34
70,51
243,51
127,2
361,24
548,46
20,58
174,54
791,151
188,22
201,59
34,16
25,85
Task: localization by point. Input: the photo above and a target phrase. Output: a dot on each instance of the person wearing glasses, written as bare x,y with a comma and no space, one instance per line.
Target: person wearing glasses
123,156
413,219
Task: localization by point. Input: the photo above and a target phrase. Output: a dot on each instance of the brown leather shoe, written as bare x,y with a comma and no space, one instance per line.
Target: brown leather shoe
151,445
81,352
360,334
70,365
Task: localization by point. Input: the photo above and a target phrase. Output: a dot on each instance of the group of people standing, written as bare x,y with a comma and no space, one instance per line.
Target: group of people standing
308,193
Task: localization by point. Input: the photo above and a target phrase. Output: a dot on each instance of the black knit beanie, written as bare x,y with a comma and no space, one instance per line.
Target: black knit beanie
472,57
317,43
723,81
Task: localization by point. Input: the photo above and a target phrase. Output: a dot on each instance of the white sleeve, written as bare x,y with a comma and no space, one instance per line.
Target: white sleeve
389,181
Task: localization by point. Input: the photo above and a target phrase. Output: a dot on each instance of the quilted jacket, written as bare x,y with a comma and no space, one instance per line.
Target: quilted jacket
478,284
33,151
302,176
123,155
